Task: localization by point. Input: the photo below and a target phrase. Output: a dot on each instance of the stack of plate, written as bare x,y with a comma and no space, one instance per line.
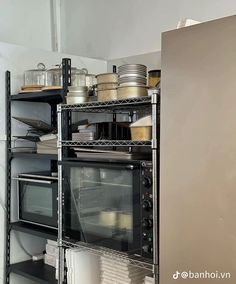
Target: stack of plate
82,267
132,81
77,95
114,270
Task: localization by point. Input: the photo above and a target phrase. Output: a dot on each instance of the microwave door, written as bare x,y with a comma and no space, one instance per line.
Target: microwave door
38,202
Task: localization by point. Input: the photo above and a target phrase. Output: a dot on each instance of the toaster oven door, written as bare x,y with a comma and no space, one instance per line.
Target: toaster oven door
38,201
102,204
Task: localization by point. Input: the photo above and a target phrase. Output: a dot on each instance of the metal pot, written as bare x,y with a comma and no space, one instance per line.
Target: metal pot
107,78
107,95
107,86
127,92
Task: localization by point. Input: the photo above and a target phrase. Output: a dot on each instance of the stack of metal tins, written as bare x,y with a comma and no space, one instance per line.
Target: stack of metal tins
107,86
77,95
132,81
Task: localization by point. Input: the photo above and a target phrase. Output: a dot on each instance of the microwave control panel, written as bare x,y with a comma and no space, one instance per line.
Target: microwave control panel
146,210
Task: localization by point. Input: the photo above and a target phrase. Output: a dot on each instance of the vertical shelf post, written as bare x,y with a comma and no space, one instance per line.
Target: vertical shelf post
8,171
155,161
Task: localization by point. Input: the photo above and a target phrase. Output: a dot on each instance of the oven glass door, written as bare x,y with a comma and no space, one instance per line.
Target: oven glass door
38,202
102,204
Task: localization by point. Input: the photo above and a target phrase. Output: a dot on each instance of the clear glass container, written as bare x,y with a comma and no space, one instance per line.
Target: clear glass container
91,80
35,77
54,77
78,77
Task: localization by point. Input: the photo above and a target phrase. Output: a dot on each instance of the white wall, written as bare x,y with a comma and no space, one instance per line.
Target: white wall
26,22
114,29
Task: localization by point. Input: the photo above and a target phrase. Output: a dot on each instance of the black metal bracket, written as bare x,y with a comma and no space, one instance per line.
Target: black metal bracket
8,171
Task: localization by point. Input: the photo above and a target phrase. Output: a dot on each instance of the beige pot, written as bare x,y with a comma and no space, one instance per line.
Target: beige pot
128,92
71,100
107,95
143,133
107,86
107,78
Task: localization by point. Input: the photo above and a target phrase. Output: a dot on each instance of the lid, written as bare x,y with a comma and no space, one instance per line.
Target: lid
155,73
40,67
58,67
107,74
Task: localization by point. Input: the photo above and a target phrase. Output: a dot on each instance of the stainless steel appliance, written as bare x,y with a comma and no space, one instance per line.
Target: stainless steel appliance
109,204
37,198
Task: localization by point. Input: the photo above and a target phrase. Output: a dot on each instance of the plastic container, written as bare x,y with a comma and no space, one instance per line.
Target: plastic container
141,130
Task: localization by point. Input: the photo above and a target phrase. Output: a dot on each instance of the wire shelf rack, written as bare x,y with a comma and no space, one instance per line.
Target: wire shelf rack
118,106
115,143
101,251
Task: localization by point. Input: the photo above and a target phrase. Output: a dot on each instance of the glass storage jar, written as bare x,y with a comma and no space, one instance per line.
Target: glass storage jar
78,77
35,77
54,77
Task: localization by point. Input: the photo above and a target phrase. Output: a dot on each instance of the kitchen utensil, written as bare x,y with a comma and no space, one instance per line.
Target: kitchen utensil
127,92
107,95
107,78
71,100
35,77
35,123
107,86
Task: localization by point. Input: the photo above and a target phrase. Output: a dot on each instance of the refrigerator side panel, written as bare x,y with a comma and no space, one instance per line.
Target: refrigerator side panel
198,154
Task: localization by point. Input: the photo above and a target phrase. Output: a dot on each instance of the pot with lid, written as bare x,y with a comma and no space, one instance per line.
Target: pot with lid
35,77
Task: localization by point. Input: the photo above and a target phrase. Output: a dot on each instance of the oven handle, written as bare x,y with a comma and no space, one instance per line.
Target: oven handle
35,180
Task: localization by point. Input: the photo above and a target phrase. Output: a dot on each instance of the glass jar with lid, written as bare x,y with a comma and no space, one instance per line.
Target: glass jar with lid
54,77
78,77
35,77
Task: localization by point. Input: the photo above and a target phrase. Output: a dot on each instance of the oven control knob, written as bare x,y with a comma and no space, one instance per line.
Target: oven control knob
147,181
147,205
147,248
147,223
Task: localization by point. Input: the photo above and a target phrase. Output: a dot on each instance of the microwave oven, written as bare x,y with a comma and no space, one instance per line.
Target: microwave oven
109,204
37,198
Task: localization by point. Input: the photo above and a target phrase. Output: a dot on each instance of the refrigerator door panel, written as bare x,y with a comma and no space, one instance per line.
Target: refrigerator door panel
198,154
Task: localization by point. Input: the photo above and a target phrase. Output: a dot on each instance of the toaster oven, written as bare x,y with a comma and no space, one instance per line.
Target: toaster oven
109,204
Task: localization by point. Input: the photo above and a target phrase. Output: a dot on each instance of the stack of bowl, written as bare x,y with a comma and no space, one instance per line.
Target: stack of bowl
77,95
107,84
132,81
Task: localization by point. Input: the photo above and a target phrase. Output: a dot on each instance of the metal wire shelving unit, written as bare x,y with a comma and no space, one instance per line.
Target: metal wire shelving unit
37,271
150,104
101,251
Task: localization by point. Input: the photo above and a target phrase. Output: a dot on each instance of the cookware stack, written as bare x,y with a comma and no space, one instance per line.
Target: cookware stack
132,81
77,95
107,87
